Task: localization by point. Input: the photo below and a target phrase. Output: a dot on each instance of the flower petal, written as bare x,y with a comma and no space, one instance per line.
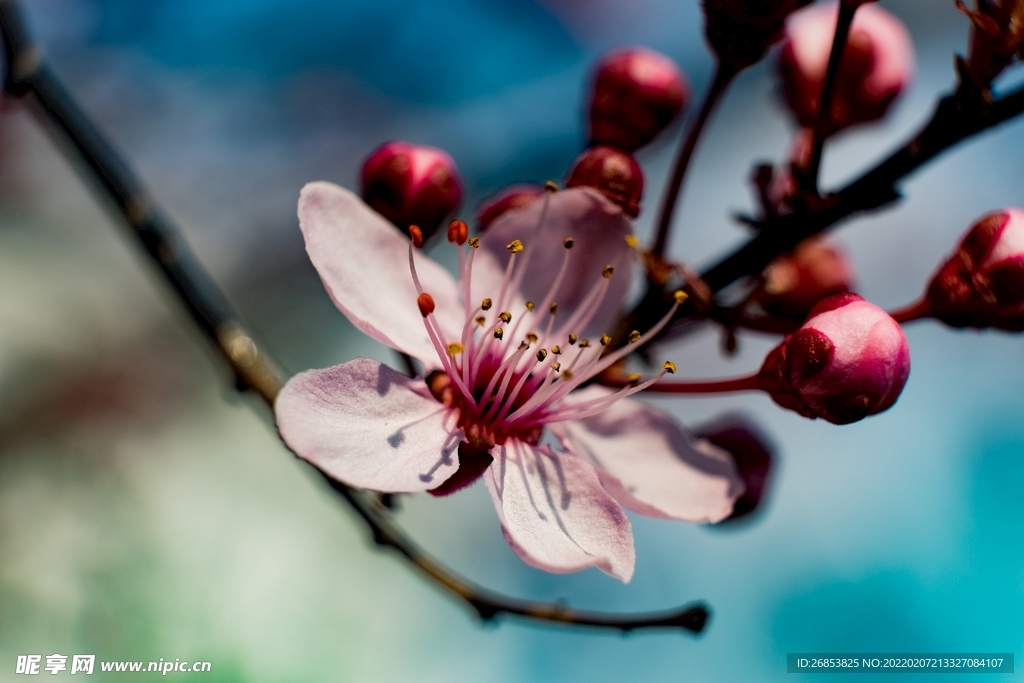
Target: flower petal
363,261
368,426
648,464
598,228
555,514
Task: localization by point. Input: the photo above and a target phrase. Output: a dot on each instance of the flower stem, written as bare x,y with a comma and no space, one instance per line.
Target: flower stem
724,74
915,311
719,386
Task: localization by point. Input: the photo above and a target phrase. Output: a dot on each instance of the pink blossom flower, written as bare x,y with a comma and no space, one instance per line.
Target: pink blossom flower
878,64
849,360
508,345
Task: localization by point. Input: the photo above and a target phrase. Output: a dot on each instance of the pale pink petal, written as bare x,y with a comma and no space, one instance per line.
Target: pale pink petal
598,228
363,262
649,464
368,426
555,513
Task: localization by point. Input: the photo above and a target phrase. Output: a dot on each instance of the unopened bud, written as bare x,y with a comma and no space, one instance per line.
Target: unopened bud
741,31
794,282
849,360
982,283
612,172
513,198
411,185
637,92
877,65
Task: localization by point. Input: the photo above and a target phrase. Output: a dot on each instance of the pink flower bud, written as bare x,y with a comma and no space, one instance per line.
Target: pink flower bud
982,284
637,93
752,453
615,173
794,282
411,185
511,198
847,361
877,65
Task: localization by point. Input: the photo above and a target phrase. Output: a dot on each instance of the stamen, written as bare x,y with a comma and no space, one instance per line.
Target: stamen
551,187
556,366
530,306
633,379
416,235
458,231
572,338
669,367
567,375
508,366
426,304
597,406
556,349
531,337
631,241
474,242
607,271
553,308
605,340
634,336
454,349
486,304
541,355
568,243
498,332
515,246
584,343
505,317
480,320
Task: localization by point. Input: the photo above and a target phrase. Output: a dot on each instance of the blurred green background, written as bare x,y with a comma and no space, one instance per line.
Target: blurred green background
147,511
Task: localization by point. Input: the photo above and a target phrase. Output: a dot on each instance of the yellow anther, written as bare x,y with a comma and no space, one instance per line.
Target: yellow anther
680,296
568,243
556,366
515,246
553,308
634,337
632,241
584,343
531,337
486,304
633,379
474,242
551,187
530,305
480,320
607,272
567,375
669,367
498,332
605,340
542,354
572,338
556,350
454,349
505,317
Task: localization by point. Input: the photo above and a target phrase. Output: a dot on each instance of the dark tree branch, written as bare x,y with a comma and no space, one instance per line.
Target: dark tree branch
27,74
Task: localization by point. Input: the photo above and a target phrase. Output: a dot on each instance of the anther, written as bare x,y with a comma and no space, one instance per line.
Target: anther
607,272
556,350
572,338
515,246
474,242
530,305
556,366
541,355
584,343
553,308
505,317
480,320
426,304
454,349
633,379
523,345
634,337
458,231
567,375
568,243
680,296
669,367
551,187
417,236
486,304
498,332
531,337
605,340
632,241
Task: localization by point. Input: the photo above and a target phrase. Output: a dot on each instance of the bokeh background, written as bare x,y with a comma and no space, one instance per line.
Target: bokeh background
146,511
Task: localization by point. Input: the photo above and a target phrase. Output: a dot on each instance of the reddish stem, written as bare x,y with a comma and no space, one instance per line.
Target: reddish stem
915,311
720,386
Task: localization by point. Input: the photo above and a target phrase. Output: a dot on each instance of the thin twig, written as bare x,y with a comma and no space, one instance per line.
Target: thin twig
724,74
28,74
823,123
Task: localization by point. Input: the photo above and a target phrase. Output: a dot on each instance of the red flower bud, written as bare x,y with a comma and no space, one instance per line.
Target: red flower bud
615,173
982,284
794,282
411,185
741,31
848,360
512,198
752,453
637,93
877,65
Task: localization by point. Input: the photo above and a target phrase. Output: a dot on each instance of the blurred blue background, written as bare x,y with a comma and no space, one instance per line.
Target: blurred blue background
147,512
